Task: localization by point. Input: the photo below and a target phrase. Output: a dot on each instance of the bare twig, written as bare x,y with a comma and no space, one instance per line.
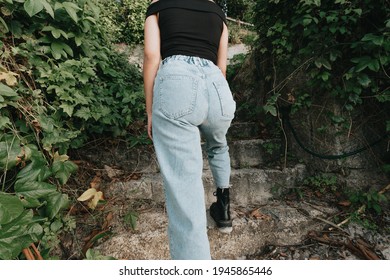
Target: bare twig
385,189
28,254
32,255
36,252
331,223
239,21
360,210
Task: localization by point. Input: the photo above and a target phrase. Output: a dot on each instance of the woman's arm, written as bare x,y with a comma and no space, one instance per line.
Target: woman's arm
151,63
223,50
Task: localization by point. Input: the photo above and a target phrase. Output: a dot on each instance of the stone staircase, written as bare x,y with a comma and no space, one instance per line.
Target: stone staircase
259,218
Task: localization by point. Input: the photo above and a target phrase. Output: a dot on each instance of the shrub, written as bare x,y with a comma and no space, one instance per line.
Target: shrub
60,81
341,46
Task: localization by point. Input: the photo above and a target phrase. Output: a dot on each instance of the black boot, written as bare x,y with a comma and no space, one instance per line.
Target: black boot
220,211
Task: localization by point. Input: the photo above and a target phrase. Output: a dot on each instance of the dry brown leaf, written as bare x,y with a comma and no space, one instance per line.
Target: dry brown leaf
318,194
9,77
87,195
112,172
95,200
345,203
260,216
107,221
134,176
95,183
92,196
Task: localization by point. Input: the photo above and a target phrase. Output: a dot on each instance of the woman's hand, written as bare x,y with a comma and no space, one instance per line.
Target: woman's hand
149,127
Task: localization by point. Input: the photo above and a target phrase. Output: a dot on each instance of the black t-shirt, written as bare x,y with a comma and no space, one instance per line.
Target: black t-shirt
189,27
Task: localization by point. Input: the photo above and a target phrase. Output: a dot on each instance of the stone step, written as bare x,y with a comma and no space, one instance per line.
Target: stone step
244,130
249,186
243,154
246,150
254,152
253,227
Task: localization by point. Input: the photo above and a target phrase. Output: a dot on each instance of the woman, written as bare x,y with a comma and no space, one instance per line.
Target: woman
187,94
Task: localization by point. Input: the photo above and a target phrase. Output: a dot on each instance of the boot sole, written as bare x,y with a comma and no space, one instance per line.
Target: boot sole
225,230
223,226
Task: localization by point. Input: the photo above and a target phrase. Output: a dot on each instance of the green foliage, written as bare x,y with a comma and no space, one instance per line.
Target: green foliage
372,200
124,19
234,65
240,9
52,230
322,182
18,226
130,219
35,198
132,17
96,255
271,147
341,47
365,221
60,82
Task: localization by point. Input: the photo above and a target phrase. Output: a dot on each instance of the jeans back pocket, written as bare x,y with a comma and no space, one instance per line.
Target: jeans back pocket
228,105
177,95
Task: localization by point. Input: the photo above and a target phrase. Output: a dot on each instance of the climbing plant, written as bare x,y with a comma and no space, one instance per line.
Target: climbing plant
337,48
60,82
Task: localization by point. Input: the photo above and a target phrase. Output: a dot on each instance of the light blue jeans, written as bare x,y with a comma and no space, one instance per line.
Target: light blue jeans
191,98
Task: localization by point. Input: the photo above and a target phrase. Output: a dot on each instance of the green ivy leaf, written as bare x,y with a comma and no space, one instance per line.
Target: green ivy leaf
35,189
376,40
325,76
7,91
48,8
78,40
131,219
56,33
322,62
366,62
67,49
18,234
30,202
55,203
270,109
72,9
4,122
84,113
60,49
10,153
33,7
63,169
56,50
358,11
68,108
95,255
4,24
364,80
36,170
10,208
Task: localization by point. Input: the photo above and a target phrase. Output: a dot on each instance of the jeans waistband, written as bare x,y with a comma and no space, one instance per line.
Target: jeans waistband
189,59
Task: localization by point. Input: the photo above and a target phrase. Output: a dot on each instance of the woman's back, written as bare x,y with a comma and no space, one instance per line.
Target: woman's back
190,27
